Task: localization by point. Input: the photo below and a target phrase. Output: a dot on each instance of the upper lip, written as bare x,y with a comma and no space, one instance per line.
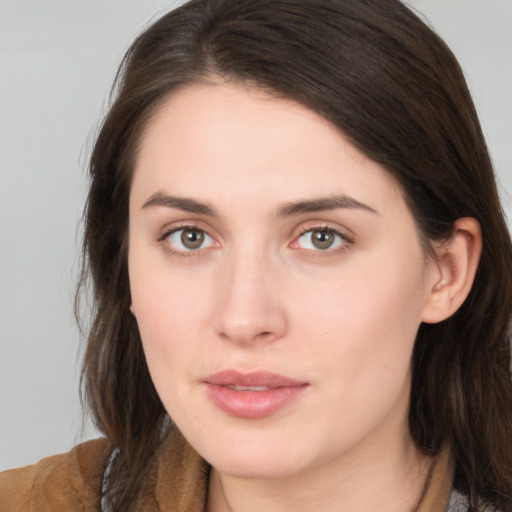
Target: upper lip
261,378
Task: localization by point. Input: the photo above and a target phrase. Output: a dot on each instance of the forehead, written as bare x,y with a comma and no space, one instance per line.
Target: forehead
208,138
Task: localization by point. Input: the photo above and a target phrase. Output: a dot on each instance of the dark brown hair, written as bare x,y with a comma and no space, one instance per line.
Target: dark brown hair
394,89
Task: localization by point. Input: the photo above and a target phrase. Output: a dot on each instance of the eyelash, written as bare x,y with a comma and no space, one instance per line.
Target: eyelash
345,243
176,252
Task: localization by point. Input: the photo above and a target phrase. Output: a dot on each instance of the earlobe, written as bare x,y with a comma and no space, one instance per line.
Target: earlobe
132,310
454,272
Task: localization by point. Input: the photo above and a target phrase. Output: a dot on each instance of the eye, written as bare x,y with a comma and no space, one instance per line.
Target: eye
188,239
321,239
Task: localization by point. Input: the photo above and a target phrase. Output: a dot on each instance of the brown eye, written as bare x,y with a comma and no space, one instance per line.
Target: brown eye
188,239
321,240
192,238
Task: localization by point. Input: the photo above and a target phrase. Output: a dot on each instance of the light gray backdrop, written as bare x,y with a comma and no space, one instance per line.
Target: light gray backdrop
57,61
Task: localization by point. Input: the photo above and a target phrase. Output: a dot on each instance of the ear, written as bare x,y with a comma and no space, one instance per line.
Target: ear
452,274
132,310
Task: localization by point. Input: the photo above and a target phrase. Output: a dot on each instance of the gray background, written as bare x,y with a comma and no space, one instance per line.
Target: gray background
57,61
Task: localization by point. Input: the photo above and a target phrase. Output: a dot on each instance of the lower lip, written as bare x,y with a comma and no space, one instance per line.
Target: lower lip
252,404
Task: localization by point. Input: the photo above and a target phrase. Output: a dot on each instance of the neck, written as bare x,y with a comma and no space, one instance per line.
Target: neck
392,479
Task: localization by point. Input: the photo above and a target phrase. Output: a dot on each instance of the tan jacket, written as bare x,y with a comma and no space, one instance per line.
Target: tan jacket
71,482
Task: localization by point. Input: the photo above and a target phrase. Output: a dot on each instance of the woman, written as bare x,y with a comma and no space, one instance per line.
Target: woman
300,272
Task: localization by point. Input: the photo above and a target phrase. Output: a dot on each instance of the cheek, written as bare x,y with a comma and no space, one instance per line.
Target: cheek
171,311
162,325
364,325
163,316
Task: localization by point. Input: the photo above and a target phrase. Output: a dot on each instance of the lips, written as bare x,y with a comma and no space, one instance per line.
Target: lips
252,395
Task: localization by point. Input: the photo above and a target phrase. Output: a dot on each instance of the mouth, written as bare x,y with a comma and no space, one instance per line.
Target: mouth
252,395
249,388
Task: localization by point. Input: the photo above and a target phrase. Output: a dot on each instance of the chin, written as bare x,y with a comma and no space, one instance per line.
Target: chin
267,467
256,453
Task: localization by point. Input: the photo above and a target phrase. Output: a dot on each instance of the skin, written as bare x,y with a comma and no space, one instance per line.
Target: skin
258,294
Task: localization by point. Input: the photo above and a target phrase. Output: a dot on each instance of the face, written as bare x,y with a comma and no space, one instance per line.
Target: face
278,282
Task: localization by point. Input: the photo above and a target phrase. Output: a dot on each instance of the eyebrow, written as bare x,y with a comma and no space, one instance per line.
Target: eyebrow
181,203
288,210
323,204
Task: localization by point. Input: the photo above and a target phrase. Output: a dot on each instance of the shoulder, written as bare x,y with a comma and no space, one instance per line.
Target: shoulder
65,482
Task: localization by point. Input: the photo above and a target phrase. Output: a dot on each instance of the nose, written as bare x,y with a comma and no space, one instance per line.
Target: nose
250,305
